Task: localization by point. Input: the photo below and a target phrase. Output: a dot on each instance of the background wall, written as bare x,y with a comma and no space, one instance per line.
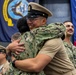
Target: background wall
59,8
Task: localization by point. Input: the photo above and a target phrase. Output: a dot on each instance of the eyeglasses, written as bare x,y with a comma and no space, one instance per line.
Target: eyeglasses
32,19
2,51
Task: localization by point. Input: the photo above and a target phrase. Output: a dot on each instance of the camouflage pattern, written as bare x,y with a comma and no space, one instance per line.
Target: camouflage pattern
71,51
34,40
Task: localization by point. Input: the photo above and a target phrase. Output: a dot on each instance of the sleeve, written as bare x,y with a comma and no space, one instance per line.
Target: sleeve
51,47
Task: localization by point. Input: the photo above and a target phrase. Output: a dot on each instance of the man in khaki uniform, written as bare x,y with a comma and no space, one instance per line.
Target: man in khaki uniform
52,55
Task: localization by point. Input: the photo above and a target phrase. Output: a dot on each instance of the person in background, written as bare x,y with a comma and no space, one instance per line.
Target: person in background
70,48
15,36
51,56
4,64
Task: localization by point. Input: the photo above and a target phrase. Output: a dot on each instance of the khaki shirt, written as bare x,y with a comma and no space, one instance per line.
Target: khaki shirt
5,68
60,63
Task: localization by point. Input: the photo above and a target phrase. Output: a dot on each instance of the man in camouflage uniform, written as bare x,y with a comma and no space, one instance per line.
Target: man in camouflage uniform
47,44
70,48
4,64
29,53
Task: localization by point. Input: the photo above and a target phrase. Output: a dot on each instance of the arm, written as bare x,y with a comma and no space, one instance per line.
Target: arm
44,57
33,64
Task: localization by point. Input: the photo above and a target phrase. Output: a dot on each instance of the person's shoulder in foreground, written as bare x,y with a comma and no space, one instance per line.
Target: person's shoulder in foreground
4,64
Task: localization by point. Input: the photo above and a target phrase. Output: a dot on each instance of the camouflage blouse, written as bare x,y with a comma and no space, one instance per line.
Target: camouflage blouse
34,40
71,51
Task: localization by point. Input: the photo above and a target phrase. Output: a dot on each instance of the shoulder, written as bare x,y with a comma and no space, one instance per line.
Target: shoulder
56,41
6,64
51,47
5,67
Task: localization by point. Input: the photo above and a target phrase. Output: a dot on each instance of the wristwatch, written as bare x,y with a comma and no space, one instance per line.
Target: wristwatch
13,63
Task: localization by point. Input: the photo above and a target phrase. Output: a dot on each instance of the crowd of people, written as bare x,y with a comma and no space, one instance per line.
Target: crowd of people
38,48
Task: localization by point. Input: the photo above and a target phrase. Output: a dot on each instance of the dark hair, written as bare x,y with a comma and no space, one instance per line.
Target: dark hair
66,21
63,37
15,36
22,25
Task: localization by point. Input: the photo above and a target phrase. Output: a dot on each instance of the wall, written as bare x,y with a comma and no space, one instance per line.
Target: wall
59,8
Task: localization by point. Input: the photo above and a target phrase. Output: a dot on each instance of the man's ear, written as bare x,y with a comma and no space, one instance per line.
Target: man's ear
44,21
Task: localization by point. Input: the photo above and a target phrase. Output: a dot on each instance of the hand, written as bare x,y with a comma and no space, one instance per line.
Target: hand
16,47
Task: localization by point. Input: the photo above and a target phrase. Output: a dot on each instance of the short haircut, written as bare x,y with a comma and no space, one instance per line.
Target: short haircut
15,36
66,21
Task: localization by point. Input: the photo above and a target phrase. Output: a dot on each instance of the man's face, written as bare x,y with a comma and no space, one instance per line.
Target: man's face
36,22
69,28
2,56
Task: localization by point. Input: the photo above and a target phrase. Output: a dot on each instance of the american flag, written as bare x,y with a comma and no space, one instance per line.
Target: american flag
73,14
